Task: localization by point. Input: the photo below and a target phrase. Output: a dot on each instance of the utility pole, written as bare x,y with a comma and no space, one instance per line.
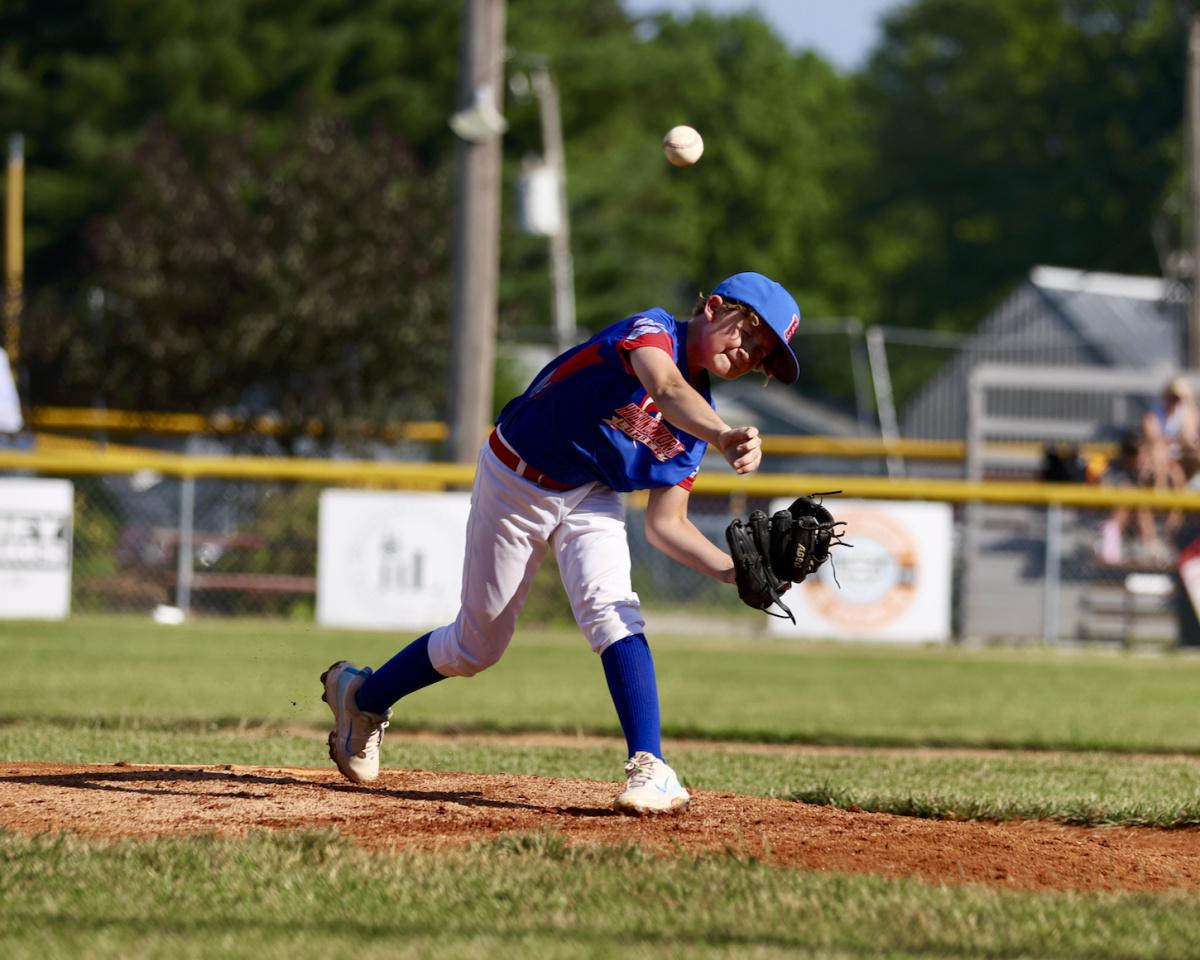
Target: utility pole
1193,126
14,250
562,267
479,126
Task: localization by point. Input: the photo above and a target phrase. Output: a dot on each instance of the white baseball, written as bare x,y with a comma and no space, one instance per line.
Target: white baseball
683,145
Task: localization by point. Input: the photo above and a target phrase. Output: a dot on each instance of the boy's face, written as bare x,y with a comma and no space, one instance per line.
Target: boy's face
731,342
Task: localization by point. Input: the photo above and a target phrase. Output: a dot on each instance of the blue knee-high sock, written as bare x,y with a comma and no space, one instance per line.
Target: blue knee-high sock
629,669
407,672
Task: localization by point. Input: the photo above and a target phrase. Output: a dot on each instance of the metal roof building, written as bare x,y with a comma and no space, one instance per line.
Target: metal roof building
1060,317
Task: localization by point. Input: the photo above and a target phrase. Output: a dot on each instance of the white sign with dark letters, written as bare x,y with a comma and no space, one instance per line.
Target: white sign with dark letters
390,559
35,548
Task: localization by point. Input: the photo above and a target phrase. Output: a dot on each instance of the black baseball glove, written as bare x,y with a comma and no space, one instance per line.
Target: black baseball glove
770,554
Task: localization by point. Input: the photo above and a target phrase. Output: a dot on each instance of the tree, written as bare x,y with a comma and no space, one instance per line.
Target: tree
83,79
1003,135
981,138
781,132
308,278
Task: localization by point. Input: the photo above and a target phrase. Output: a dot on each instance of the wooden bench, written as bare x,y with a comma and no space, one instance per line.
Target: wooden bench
1138,606
250,582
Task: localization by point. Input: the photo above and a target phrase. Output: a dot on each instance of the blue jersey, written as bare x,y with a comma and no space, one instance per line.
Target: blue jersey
587,417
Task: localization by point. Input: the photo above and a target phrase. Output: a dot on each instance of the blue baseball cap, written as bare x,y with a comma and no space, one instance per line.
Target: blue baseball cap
775,305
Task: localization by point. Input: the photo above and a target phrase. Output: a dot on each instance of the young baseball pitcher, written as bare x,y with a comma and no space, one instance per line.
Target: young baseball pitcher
630,409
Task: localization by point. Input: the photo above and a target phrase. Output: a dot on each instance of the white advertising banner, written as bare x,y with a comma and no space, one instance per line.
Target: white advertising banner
35,548
895,580
388,560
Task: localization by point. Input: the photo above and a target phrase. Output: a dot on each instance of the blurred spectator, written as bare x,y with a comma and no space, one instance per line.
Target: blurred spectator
1126,470
1179,419
1062,463
1144,460
1176,445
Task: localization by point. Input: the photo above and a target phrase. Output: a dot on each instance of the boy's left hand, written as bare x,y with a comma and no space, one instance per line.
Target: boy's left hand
742,448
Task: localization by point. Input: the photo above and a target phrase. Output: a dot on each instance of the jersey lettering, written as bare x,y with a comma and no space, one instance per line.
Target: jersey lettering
645,428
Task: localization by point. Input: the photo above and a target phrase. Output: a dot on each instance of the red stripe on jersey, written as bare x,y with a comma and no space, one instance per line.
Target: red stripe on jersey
581,361
656,339
687,482
584,358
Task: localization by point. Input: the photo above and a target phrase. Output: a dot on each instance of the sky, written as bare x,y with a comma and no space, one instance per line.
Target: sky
842,31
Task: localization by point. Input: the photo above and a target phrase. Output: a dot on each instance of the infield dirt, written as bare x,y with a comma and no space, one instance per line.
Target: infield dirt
416,808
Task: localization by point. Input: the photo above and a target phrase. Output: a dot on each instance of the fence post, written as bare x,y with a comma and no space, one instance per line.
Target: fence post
187,517
969,564
1050,598
889,429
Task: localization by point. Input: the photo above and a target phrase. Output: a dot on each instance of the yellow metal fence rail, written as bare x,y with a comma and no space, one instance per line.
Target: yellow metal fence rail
440,476
129,421
435,431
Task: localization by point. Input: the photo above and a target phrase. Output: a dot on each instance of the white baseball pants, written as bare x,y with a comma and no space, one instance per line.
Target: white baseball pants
512,524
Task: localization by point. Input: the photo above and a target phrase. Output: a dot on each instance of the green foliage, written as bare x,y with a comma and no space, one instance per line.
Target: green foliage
271,895
96,529
277,535
311,273
175,157
547,602
84,81
252,242
764,197
1005,135
644,233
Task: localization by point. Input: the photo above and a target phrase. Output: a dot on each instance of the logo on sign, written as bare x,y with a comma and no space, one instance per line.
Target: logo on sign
30,540
399,569
878,577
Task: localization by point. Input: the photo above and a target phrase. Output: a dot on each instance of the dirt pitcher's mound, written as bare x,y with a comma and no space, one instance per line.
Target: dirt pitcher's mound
422,809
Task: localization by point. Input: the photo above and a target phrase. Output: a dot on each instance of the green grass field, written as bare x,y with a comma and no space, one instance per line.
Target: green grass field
1091,739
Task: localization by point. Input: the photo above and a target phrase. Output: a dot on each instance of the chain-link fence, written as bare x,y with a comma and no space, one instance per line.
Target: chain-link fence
212,546
1040,573
1034,572
253,550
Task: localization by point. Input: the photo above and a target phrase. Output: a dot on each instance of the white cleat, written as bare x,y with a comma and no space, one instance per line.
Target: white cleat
652,787
356,736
